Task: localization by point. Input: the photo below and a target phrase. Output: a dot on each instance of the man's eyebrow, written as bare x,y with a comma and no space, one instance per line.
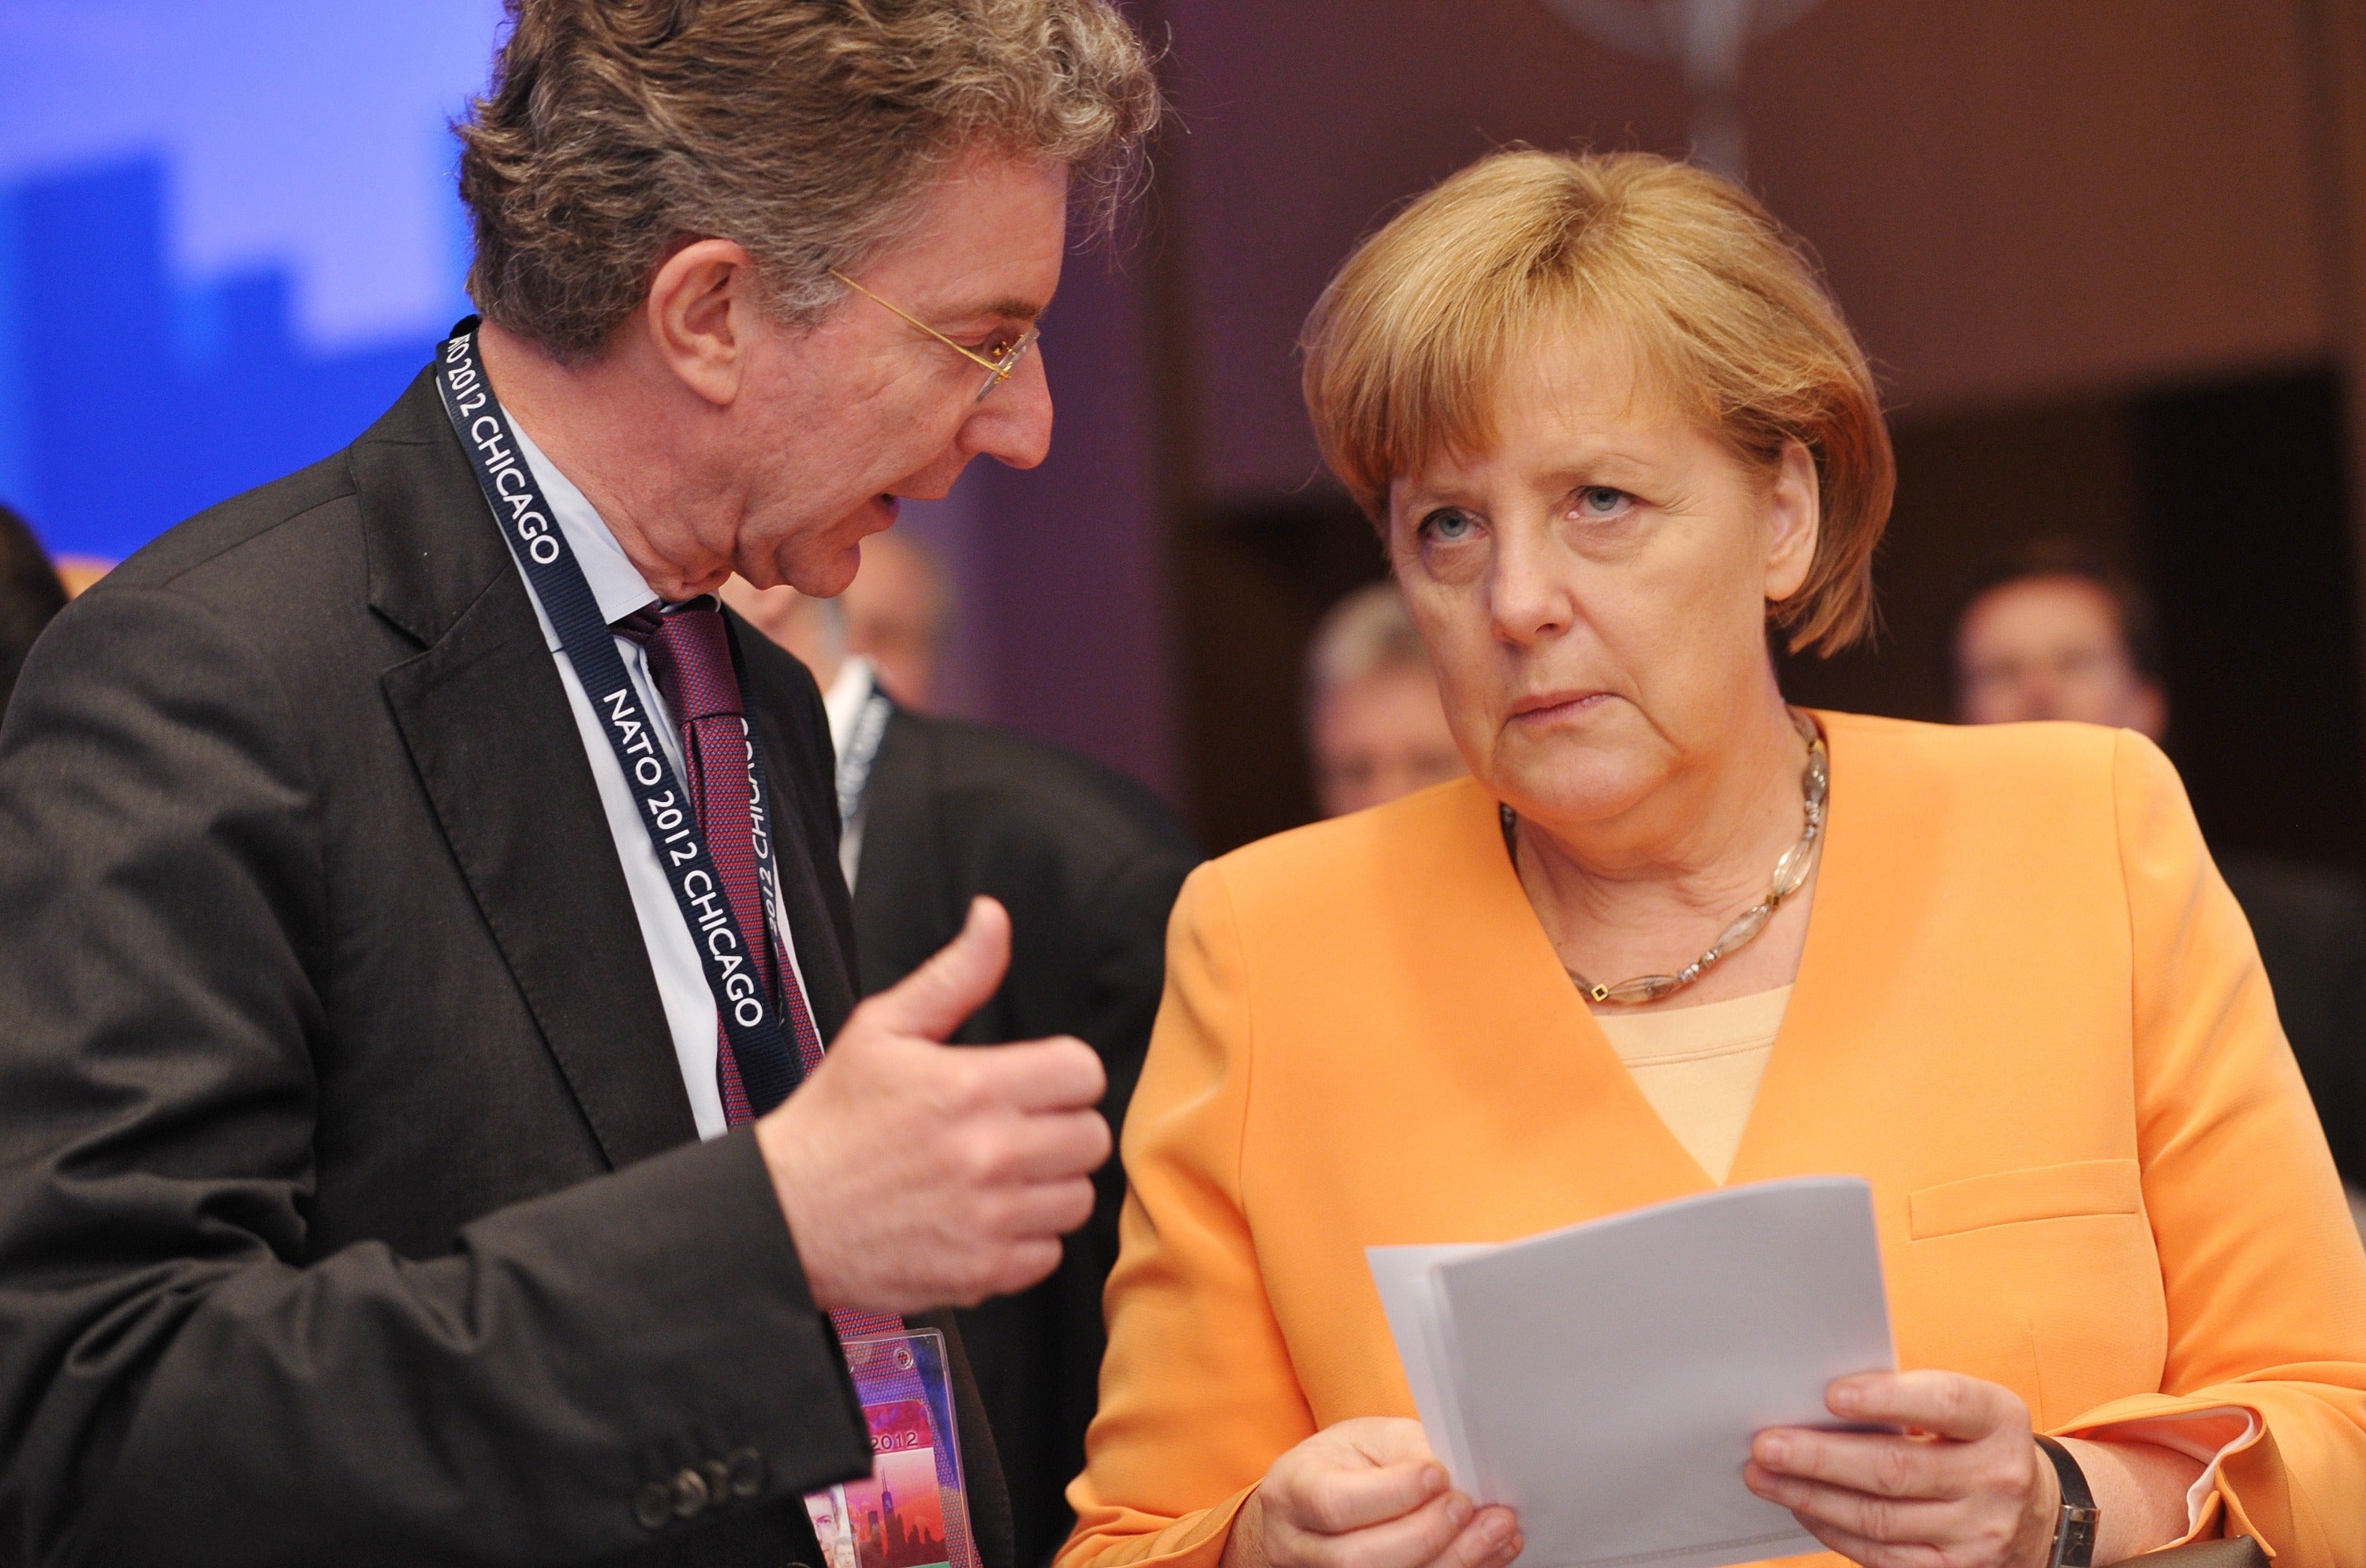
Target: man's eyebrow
1005,310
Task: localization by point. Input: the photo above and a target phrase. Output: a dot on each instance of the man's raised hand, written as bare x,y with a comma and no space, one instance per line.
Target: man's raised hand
918,1175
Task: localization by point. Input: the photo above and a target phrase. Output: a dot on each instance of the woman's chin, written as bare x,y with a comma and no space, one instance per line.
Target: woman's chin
1580,790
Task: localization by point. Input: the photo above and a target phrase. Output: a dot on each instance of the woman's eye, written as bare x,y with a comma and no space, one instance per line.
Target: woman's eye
1448,524
1601,501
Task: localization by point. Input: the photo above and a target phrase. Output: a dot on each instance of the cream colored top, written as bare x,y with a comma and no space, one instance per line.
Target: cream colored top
1699,1066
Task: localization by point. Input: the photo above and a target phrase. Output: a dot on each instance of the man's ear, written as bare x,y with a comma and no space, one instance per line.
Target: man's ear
1795,520
700,316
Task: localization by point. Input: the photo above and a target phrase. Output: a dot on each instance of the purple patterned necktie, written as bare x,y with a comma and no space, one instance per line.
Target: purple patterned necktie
690,654
689,650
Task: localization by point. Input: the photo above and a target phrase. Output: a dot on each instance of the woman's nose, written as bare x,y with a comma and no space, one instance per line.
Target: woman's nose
1528,600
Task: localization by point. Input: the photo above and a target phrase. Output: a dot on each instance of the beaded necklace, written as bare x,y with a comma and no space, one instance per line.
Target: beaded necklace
1790,875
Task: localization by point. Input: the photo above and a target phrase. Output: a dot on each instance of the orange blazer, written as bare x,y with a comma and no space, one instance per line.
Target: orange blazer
2028,1011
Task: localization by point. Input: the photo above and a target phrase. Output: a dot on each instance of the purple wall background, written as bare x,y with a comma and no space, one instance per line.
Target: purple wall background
2016,201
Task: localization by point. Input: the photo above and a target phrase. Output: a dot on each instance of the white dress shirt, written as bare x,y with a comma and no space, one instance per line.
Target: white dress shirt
848,696
620,590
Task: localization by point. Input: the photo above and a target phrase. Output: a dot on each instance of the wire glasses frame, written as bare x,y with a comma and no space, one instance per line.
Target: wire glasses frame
997,367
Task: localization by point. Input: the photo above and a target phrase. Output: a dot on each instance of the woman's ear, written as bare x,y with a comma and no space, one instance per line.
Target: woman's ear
1794,522
699,315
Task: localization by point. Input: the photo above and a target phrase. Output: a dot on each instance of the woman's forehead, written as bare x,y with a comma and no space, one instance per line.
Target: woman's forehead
1578,362
1570,390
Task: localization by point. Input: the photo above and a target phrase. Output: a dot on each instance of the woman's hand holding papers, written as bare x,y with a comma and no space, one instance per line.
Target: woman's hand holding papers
1366,1494
1965,1485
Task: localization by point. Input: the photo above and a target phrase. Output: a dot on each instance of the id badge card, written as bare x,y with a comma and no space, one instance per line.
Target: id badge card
912,1512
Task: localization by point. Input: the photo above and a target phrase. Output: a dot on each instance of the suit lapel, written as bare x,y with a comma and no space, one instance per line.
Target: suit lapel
1834,1057
1496,985
495,745
785,709
906,906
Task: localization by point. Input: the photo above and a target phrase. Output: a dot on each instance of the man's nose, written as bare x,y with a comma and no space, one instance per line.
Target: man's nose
2041,693
1014,422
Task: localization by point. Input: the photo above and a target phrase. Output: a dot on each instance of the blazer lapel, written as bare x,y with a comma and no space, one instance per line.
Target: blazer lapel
494,741
784,710
906,906
1501,988
1834,1062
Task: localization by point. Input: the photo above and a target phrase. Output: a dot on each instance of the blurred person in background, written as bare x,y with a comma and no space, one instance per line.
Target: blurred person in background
892,615
81,574
30,593
2053,631
1375,728
422,919
896,613
938,812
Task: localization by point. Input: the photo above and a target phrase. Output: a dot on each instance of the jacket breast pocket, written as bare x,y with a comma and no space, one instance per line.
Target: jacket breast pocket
2038,1192
2044,1279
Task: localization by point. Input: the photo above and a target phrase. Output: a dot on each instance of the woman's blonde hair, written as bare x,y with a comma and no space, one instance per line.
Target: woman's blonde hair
1405,349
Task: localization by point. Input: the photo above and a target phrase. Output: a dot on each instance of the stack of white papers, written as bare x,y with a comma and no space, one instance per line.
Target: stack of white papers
1605,1381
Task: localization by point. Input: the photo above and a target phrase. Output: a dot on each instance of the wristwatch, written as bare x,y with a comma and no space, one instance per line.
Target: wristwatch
2074,1527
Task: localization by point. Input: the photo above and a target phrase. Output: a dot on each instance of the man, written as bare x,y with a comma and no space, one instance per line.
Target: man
2054,633
892,616
396,1166
31,592
1374,724
938,813
895,610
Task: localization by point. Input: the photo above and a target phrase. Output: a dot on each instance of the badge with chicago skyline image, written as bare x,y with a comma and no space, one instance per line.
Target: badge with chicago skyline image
910,1512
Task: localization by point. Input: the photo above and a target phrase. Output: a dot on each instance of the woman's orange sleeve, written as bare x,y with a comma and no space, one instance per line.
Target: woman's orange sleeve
2260,1262
1197,1395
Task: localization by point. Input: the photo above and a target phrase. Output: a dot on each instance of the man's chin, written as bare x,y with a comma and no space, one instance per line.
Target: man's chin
821,563
821,573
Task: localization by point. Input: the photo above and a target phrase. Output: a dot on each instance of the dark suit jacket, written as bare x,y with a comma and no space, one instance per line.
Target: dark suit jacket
2310,922
1089,864
351,1208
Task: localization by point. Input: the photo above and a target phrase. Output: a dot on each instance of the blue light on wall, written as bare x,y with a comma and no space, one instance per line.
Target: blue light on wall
228,240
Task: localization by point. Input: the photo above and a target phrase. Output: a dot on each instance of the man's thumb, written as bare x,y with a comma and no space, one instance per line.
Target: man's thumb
938,997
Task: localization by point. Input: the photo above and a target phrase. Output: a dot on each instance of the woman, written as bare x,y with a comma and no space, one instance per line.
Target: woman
1610,427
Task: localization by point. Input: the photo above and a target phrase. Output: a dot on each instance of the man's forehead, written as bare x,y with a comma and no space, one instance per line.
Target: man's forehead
2062,596
2052,608
989,241
944,300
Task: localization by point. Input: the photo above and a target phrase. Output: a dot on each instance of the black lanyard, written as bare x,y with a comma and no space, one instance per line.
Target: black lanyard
768,1068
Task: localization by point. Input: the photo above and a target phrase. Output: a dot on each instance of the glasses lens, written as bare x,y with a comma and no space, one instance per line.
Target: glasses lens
1004,363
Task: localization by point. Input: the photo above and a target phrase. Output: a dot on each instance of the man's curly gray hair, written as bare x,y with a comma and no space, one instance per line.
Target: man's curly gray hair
806,131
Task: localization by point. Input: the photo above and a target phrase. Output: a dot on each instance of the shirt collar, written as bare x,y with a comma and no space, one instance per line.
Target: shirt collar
617,584
844,701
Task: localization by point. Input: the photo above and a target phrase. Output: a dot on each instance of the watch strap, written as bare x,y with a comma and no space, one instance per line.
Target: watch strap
2074,1524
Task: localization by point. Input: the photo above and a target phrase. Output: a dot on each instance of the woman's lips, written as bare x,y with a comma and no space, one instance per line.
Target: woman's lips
1557,705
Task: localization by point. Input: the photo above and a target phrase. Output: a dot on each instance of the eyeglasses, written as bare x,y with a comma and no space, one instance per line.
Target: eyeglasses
998,365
